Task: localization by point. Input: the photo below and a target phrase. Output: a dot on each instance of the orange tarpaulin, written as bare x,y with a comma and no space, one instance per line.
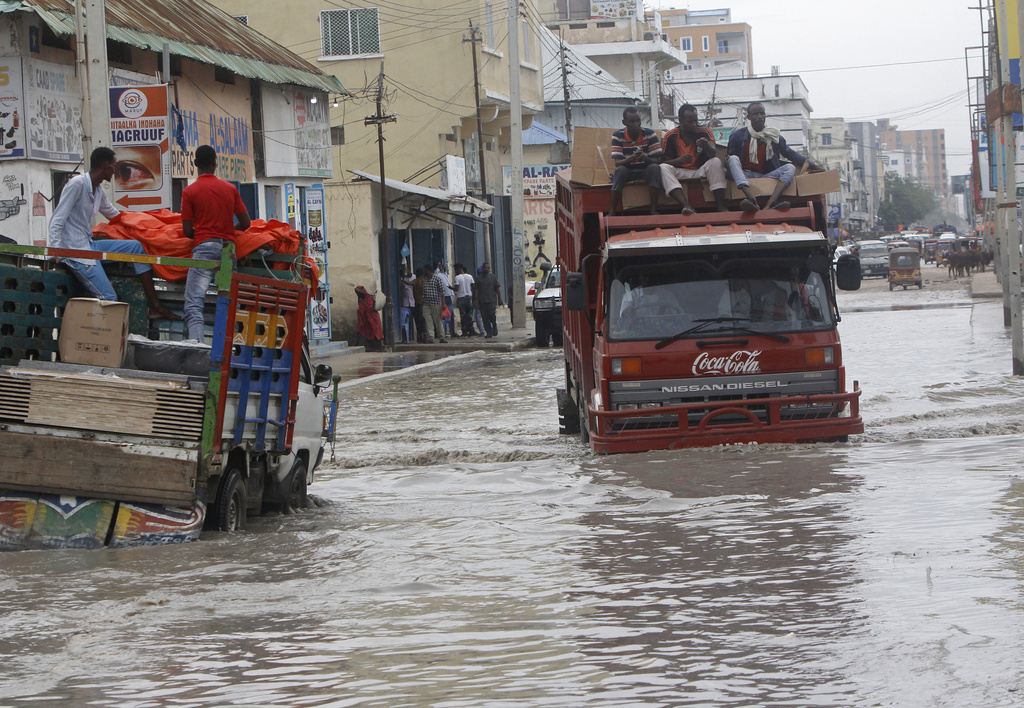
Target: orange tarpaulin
160,233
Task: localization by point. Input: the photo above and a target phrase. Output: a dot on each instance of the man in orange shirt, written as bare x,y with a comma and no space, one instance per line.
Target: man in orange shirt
208,210
690,153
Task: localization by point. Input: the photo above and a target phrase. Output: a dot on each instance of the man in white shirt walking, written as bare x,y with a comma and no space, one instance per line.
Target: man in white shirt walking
464,283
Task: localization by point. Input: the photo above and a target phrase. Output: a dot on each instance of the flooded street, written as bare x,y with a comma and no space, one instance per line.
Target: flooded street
463,554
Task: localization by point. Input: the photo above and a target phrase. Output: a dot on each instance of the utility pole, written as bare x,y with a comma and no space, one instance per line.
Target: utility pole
1007,209
475,38
379,119
518,303
565,92
96,113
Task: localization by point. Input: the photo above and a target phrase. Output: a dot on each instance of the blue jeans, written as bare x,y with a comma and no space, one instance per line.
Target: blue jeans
785,173
196,285
92,274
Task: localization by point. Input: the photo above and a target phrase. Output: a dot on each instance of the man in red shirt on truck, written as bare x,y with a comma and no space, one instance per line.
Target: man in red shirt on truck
208,210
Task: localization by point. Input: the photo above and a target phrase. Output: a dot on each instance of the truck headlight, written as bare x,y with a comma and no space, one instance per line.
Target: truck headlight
545,304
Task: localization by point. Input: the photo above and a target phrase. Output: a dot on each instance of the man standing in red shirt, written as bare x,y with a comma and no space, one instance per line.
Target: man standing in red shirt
208,210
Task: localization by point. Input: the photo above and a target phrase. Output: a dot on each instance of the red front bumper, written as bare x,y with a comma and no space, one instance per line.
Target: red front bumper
765,422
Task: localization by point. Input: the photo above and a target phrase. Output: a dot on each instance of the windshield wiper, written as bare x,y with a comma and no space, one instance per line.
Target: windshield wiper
703,323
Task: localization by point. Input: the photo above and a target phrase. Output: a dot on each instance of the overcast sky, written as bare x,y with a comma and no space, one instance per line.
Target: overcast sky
806,36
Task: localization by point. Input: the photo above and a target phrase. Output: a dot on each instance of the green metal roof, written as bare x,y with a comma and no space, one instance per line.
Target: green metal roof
193,29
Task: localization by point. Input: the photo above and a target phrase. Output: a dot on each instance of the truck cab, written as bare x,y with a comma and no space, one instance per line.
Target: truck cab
703,330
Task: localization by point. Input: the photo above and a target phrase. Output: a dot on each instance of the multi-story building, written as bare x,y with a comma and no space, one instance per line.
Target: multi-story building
865,135
225,83
928,149
833,147
713,43
432,147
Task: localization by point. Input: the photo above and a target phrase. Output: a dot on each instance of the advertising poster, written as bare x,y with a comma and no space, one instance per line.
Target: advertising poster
613,9
316,247
538,214
12,111
53,98
297,124
224,124
140,131
289,201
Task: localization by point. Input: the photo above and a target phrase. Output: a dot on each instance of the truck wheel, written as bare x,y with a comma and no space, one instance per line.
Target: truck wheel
542,334
295,496
229,509
556,338
568,415
584,419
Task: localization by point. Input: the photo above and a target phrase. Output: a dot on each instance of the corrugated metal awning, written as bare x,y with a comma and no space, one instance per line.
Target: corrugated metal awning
456,203
193,29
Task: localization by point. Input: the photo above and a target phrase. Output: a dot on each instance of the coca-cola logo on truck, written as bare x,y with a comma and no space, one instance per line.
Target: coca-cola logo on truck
740,362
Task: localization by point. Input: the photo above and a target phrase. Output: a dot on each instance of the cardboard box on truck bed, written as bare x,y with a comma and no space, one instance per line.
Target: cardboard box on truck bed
93,332
592,162
812,183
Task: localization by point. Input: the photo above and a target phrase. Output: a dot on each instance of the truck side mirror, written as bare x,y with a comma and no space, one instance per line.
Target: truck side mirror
545,266
848,272
322,376
575,292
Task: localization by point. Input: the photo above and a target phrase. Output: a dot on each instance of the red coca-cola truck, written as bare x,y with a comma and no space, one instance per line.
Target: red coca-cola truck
709,329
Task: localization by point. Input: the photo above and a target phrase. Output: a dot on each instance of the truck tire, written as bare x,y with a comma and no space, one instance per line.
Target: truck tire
584,419
295,496
229,508
556,338
542,334
568,414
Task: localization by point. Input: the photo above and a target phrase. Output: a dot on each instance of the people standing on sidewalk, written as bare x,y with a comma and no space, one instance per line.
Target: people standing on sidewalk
208,210
433,301
477,317
417,310
488,295
406,303
449,299
464,283
368,321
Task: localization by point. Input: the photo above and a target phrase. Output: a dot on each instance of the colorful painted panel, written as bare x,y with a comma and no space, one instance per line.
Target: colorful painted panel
155,525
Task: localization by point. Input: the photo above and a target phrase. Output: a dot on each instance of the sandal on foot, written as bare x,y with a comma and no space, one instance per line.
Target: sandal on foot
748,205
688,211
780,206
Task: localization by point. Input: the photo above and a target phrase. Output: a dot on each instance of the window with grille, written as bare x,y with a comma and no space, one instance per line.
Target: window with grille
348,32
489,24
686,44
723,46
527,48
826,139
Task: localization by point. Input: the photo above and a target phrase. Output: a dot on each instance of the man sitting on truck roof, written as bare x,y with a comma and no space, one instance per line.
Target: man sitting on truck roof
637,154
756,151
71,228
690,153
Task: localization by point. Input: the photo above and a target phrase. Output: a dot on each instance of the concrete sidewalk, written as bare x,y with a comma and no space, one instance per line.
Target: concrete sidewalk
352,363
986,285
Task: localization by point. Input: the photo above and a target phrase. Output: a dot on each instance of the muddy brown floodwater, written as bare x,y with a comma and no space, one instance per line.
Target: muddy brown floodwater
465,555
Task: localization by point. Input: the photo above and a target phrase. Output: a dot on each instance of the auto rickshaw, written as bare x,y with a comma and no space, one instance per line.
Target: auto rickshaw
905,268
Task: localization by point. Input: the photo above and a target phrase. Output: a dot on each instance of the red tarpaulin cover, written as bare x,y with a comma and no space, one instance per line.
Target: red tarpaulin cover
160,233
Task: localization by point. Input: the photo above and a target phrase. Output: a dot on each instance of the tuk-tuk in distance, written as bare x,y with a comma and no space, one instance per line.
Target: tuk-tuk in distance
905,268
930,247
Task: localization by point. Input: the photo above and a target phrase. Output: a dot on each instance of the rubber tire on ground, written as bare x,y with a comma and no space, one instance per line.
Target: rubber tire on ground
568,414
542,334
891,286
229,511
556,339
294,495
584,422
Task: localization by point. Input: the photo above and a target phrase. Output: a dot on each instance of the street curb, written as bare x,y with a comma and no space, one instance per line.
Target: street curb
466,358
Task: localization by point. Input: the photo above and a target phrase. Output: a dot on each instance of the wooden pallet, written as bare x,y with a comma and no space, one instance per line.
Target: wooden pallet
102,404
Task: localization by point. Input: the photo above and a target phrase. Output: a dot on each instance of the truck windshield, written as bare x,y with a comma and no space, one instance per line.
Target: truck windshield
656,300
873,250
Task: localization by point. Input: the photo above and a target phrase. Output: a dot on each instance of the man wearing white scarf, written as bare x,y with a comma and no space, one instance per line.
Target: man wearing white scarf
756,151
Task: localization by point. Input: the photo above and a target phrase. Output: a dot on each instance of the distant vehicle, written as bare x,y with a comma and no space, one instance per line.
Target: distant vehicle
874,258
839,253
905,268
531,291
929,250
897,244
547,308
